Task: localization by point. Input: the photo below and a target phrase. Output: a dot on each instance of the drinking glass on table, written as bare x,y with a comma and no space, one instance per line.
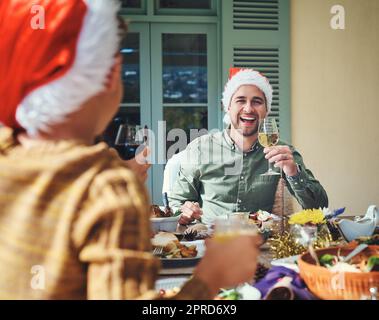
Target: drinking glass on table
128,140
234,226
268,136
306,235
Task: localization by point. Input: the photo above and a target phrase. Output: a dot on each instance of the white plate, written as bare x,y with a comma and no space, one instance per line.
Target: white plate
248,292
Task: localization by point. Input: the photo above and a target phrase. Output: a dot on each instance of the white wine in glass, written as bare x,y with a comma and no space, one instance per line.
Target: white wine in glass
268,136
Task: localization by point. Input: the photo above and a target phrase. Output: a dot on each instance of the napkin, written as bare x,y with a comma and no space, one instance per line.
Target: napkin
281,283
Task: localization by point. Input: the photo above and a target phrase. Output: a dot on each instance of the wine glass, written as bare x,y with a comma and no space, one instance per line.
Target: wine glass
268,136
128,140
306,235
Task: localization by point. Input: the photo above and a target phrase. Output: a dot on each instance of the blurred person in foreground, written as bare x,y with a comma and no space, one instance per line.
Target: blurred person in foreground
74,220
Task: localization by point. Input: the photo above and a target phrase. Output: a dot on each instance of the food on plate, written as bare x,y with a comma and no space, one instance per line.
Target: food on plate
263,219
177,250
162,239
156,212
172,248
360,263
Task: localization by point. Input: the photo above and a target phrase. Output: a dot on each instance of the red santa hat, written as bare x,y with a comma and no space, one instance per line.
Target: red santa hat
245,76
47,73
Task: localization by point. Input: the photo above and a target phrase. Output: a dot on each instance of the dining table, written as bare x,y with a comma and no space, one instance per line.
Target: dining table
264,260
176,272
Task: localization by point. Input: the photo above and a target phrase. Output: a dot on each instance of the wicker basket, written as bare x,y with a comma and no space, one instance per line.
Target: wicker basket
336,286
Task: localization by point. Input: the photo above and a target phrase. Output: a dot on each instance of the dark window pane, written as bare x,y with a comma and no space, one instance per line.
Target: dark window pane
130,68
185,4
185,68
131,3
185,118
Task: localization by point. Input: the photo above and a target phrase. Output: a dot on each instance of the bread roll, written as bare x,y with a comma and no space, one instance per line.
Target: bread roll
162,239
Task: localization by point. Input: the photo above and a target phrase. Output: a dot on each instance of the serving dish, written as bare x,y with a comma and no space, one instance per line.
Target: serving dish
326,284
168,224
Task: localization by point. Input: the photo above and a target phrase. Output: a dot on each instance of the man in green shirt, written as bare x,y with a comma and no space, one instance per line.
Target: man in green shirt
221,172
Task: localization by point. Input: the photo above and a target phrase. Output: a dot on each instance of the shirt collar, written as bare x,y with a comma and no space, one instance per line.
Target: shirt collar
233,145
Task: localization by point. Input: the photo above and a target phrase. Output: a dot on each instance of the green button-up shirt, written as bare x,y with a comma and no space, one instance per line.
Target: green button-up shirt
224,179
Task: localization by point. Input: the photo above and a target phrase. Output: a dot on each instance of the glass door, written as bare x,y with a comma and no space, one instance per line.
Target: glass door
135,108
184,91
170,82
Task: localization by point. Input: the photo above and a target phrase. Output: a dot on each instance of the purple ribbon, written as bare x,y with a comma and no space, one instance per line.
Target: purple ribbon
277,273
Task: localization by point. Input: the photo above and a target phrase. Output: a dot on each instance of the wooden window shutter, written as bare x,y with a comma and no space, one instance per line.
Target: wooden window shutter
255,34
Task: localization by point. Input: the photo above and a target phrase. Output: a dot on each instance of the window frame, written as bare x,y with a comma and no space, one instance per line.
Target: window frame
185,12
138,11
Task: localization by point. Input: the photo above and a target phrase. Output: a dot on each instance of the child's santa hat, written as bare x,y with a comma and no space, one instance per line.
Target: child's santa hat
244,76
47,73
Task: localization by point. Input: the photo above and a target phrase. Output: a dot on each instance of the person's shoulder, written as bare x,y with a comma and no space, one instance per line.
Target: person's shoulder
114,171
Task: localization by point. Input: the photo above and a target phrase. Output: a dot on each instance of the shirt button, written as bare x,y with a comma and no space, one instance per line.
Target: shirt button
239,200
245,154
241,177
302,180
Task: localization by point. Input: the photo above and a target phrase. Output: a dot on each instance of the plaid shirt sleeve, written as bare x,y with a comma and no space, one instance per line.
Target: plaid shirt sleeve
112,237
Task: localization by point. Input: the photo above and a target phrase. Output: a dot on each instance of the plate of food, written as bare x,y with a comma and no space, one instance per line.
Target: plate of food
265,222
174,253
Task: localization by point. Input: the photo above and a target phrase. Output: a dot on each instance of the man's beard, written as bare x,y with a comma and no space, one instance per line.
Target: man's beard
246,132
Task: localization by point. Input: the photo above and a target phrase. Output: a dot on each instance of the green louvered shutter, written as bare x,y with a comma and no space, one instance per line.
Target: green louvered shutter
255,34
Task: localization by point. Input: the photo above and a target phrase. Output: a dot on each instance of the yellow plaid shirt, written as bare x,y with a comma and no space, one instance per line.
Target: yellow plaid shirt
74,224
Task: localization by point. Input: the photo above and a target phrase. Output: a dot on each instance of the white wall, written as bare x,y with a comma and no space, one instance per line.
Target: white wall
335,98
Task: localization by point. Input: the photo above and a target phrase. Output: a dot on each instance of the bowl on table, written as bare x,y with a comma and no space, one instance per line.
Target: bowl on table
168,224
161,223
329,285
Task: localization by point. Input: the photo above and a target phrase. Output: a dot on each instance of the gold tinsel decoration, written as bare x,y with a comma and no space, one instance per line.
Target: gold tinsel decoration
284,245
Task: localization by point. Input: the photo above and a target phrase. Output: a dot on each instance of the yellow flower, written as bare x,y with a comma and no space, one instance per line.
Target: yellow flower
314,216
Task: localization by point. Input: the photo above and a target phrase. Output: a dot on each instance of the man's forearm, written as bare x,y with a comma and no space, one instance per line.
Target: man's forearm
307,191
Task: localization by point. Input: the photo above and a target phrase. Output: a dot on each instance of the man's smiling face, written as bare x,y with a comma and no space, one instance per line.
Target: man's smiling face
247,108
